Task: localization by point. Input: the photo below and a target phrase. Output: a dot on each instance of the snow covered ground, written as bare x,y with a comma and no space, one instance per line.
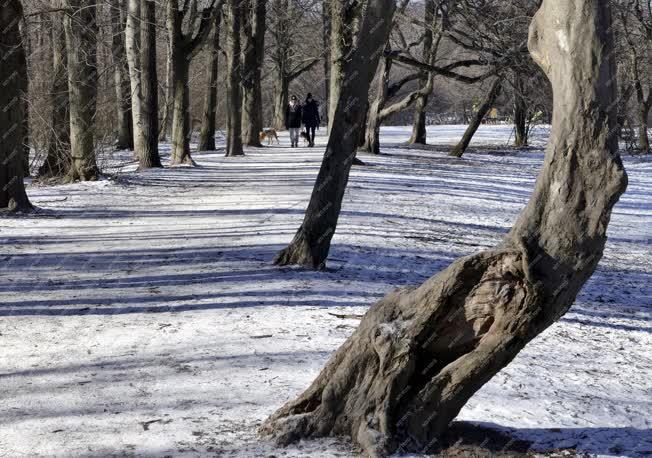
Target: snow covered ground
142,316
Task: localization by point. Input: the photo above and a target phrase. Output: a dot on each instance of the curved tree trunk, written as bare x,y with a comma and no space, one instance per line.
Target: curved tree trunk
207,134
372,130
420,354
81,45
125,138
281,97
13,74
253,49
487,103
312,241
234,99
57,162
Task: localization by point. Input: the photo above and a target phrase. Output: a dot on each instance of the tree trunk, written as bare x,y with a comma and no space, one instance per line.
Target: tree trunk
253,49
13,74
372,131
125,139
81,45
234,99
420,354
520,114
207,134
281,99
326,39
488,102
165,121
643,137
340,49
312,241
133,52
58,160
149,156
419,135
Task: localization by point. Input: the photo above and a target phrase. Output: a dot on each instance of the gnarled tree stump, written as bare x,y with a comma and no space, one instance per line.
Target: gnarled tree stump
420,354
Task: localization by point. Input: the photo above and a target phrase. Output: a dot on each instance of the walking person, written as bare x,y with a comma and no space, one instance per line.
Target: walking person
311,119
293,114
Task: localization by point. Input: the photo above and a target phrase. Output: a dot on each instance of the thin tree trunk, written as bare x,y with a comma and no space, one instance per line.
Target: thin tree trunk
58,159
149,156
133,52
643,137
520,114
125,139
13,74
372,131
419,135
81,45
253,48
487,103
165,122
234,99
419,354
312,241
207,134
281,100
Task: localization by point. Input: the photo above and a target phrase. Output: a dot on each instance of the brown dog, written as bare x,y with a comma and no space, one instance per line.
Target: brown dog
268,134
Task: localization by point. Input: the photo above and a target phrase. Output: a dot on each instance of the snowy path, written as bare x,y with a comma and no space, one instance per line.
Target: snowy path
143,316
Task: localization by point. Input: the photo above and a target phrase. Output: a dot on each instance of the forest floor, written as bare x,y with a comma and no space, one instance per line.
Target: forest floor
141,314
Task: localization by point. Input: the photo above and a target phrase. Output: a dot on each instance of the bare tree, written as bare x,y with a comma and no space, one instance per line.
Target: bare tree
254,13
58,159
420,353
312,241
13,74
188,28
207,133
233,18
125,139
81,46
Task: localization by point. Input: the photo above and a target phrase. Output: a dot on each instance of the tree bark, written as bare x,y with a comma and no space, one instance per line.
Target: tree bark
326,39
165,121
234,99
253,49
312,241
13,74
125,138
81,46
149,156
372,130
419,135
207,134
520,114
58,159
420,353
342,13
644,103
281,98
487,103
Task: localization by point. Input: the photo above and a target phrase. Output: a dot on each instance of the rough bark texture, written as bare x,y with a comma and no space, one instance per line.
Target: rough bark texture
167,108
253,50
644,103
207,133
124,137
420,354
149,156
13,74
234,99
81,45
372,130
57,162
312,241
484,108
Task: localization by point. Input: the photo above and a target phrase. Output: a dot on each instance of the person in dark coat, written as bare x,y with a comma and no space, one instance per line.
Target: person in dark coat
311,118
293,114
